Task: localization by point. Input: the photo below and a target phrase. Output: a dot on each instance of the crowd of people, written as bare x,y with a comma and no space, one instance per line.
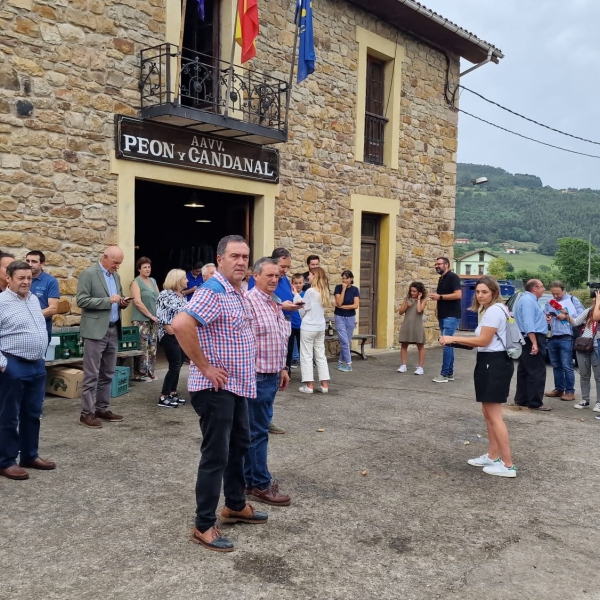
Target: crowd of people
239,329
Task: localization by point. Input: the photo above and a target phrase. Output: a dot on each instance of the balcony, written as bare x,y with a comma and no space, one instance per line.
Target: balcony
211,96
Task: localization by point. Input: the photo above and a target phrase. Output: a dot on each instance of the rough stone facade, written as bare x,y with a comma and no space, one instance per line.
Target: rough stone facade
67,66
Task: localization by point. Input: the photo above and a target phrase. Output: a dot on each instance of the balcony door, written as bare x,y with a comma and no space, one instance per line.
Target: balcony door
200,67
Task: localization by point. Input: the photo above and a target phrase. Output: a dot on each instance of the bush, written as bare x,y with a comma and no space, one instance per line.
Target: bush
583,296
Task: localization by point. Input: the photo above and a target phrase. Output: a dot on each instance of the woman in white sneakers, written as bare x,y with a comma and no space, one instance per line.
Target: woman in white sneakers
493,372
312,332
588,361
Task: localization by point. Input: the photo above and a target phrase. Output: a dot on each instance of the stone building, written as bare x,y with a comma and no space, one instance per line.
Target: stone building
108,135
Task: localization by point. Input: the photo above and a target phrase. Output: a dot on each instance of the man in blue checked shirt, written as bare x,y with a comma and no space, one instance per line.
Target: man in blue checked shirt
560,345
23,342
531,372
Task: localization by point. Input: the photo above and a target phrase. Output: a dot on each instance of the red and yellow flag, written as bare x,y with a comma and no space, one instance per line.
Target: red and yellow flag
246,28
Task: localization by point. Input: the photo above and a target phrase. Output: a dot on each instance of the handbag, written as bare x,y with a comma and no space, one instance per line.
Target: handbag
585,345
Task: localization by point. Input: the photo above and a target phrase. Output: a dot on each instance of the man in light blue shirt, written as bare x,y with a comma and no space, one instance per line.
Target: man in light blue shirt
560,345
531,372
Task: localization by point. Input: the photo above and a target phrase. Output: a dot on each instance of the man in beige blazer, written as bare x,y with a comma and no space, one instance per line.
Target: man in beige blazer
100,297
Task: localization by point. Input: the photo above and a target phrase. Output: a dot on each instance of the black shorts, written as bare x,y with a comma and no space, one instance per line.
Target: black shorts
492,376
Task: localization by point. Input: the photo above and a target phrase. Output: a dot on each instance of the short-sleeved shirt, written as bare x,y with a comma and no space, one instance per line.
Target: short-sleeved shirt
495,317
352,292
448,284
45,286
193,282
226,336
284,291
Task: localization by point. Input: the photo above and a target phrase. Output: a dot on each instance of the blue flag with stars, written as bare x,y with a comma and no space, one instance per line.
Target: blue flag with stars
306,53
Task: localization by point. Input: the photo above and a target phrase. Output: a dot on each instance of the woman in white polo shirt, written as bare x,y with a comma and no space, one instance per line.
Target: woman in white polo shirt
493,372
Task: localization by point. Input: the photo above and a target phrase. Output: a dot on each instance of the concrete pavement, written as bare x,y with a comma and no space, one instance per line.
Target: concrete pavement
113,520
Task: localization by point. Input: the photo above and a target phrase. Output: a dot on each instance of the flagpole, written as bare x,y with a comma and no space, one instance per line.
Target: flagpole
230,78
179,52
291,79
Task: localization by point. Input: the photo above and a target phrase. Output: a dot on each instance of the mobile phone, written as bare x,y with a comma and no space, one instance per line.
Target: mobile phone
127,298
461,346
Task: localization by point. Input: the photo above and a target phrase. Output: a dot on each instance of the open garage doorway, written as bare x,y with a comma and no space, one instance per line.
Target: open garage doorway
177,226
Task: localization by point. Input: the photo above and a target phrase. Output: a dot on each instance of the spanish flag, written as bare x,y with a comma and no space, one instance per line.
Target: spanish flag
246,28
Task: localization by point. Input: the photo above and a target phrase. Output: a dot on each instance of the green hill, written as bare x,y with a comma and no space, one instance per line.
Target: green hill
519,207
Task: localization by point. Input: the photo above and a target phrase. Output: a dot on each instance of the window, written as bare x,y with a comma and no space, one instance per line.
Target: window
482,269
378,98
481,256
467,269
375,120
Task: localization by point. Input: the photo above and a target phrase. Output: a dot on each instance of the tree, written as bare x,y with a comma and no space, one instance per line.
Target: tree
498,268
572,260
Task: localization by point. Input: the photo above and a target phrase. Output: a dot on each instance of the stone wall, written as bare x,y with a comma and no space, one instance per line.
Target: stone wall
67,66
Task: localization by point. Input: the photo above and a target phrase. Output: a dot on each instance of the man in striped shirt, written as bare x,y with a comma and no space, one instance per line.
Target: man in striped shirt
23,342
272,331
216,332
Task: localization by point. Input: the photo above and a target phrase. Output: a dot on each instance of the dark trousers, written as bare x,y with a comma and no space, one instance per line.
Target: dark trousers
295,335
22,390
174,355
225,442
531,374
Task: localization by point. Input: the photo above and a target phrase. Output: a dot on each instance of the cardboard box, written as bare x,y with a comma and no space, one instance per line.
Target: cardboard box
64,381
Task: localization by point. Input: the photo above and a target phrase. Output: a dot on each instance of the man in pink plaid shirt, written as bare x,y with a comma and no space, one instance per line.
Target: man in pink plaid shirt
272,331
217,334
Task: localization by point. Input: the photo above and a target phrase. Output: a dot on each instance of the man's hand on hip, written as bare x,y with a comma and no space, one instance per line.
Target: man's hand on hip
217,376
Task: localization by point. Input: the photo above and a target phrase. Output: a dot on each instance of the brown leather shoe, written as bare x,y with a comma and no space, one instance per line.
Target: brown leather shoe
247,515
109,415
554,394
271,496
90,421
38,463
14,472
212,539
568,397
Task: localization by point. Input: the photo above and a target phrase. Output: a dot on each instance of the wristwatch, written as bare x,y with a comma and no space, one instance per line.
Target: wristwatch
441,297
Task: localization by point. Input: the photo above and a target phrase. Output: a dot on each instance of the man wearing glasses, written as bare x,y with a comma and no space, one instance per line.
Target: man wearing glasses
448,295
531,372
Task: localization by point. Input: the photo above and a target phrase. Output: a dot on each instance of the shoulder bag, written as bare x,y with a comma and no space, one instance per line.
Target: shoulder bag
585,345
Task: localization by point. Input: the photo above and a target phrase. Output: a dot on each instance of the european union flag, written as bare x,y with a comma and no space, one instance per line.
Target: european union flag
306,53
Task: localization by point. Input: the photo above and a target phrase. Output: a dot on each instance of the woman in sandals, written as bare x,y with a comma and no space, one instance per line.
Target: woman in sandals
312,331
493,372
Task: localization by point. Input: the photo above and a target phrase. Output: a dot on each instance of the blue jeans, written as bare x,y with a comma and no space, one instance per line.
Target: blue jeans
345,329
260,414
22,390
448,326
560,352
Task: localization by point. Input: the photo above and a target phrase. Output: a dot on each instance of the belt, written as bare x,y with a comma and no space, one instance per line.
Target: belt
269,373
113,324
28,360
559,337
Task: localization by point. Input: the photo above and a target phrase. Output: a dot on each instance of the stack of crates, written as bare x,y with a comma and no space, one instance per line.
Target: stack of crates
130,339
70,345
120,382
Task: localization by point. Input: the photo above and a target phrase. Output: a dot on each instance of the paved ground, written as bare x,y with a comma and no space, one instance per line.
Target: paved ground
113,520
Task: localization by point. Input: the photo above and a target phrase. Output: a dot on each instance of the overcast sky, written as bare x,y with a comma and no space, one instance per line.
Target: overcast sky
549,73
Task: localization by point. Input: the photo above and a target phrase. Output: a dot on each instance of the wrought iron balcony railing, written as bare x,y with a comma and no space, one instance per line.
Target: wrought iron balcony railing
190,86
374,138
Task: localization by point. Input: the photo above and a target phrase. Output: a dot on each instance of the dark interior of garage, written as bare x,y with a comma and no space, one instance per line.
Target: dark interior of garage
176,226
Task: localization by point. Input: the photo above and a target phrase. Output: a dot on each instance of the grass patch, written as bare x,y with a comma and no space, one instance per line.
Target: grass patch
528,260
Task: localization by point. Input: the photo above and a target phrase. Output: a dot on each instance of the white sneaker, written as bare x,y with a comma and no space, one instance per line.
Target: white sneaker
582,404
324,390
596,407
482,461
305,389
440,379
450,378
402,369
419,371
499,469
